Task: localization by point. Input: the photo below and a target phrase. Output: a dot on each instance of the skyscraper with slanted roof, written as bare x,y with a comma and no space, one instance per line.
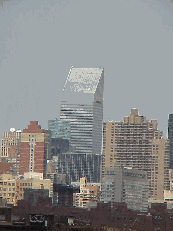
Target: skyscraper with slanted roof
82,105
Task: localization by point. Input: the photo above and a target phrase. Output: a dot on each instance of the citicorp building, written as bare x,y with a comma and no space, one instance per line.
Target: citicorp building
82,105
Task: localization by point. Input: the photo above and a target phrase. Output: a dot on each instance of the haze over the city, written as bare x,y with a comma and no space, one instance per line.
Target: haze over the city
40,41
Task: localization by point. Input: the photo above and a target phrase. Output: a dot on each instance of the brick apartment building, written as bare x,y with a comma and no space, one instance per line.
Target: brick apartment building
35,149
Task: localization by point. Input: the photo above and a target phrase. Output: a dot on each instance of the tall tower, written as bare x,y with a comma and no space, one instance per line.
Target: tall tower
82,106
170,137
35,149
137,143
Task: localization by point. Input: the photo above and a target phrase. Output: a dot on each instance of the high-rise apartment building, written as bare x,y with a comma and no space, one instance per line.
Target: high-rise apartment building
137,143
170,137
35,149
82,106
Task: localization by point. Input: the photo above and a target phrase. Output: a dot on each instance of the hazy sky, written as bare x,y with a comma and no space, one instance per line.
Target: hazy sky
41,39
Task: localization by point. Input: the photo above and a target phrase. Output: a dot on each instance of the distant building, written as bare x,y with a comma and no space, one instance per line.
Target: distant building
137,143
8,188
52,165
60,129
58,179
59,146
168,194
170,137
32,183
10,149
82,106
65,194
88,193
36,195
126,185
3,202
33,175
35,149
13,189
60,142
6,168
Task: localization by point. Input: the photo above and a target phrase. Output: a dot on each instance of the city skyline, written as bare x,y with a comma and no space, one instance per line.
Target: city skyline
132,40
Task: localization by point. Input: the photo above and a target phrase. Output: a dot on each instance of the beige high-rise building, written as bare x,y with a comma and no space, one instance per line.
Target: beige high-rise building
137,143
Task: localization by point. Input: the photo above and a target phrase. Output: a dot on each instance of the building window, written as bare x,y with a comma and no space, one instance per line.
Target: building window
41,186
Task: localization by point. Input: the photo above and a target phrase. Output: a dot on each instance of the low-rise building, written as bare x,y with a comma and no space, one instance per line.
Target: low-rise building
56,179
168,194
8,188
88,192
13,189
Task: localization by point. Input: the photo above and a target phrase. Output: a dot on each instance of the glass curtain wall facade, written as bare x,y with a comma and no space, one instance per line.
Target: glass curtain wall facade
59,129
82,105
